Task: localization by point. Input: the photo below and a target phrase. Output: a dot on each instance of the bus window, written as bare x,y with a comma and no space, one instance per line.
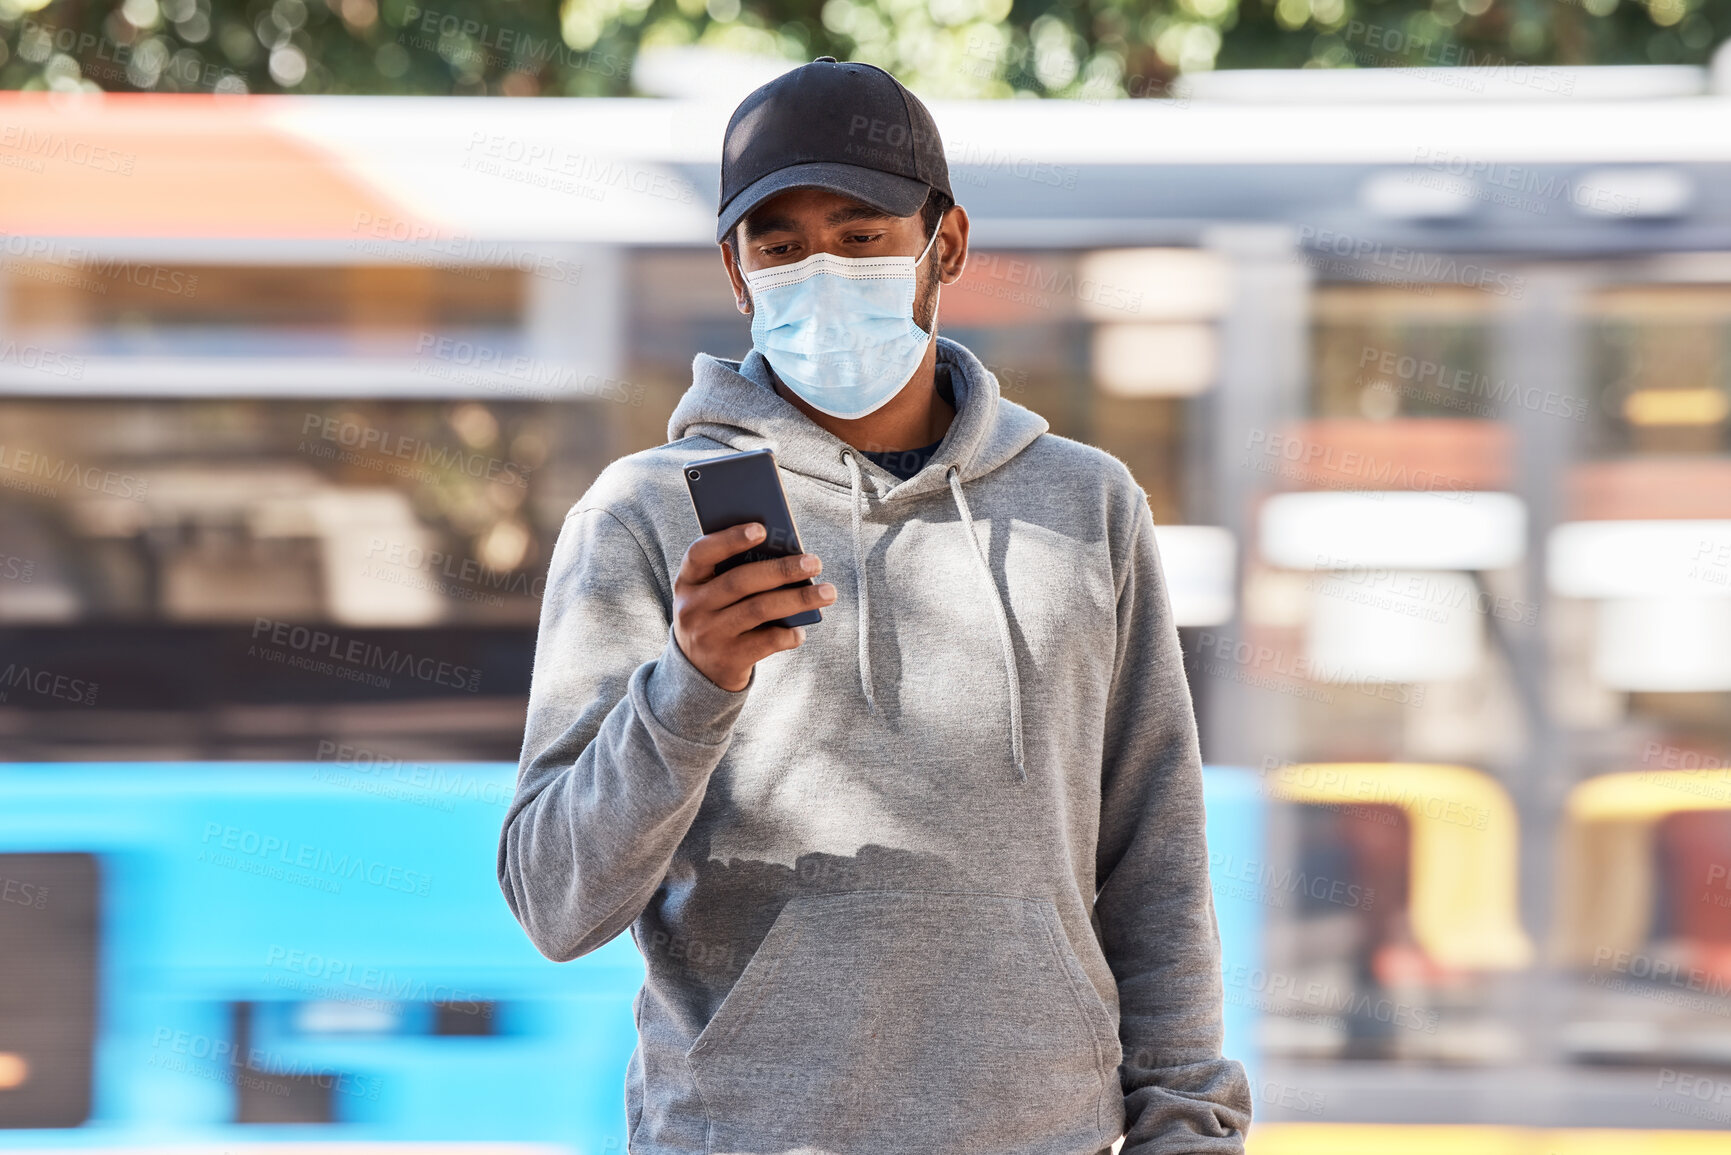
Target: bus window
49,914
1695,893
1407,874
1643,919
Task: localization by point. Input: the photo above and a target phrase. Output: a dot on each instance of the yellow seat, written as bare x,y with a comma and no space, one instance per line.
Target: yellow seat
1607,861
1427,1139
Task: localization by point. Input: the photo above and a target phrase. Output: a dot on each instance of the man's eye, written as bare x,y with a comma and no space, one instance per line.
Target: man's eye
777,250
864,238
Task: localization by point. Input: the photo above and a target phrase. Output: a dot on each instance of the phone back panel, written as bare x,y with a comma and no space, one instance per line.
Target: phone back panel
741,487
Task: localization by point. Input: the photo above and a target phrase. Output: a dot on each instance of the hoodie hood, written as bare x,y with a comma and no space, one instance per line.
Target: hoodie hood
735,403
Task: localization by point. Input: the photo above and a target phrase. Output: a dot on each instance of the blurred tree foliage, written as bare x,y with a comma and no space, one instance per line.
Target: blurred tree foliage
1101,49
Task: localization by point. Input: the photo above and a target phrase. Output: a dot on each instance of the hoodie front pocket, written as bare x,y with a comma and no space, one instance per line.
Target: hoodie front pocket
910,1022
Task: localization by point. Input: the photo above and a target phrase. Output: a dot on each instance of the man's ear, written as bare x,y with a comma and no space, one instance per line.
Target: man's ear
736,278
952,246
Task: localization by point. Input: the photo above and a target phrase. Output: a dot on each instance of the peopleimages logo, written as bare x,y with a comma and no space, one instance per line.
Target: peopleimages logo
1037,282
1413,265
973,164
1325,464
559,169
260,1069
1276,992
49,259
54,472
419,782
67,149
263,853
47,684
42,360
385,556
481,366
410,450
1372,791
473,41
1271,885
469,256
22,893
319,651
337,979
1443,377
1526,185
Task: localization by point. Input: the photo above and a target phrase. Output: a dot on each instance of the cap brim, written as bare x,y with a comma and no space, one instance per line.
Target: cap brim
899,196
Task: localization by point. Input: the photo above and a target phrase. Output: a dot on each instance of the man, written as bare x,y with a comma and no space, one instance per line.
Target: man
928,875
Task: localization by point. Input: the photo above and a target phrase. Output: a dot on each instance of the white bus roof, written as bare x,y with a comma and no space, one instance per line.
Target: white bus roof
362,171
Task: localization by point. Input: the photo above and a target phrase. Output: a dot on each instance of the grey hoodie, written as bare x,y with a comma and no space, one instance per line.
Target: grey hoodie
935,881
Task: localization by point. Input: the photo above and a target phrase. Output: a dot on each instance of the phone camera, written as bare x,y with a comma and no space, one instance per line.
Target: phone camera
693,474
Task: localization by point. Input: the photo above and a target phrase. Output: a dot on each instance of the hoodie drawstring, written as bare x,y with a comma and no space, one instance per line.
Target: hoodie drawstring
1010,674
862,604
862,600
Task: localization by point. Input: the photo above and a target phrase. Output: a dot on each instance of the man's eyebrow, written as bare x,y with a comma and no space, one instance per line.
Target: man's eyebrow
758,224
857,211
761,224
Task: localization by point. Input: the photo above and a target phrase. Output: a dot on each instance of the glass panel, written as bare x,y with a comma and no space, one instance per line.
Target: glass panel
118,307
1385,574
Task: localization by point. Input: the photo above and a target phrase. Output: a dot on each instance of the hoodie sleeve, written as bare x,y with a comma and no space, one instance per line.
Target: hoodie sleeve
1154,905
622,734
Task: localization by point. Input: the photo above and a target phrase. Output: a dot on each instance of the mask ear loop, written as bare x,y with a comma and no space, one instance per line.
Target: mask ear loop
931,242
937,289
740,269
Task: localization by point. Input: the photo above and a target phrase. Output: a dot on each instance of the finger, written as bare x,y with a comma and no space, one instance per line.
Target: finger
743,617
755,577
767,640
712,549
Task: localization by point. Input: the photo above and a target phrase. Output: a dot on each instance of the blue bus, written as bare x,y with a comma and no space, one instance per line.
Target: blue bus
314,952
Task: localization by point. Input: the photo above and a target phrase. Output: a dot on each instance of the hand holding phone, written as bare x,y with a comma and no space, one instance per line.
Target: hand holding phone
744,589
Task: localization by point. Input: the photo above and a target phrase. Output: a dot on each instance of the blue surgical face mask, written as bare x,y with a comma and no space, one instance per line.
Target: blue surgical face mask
840,331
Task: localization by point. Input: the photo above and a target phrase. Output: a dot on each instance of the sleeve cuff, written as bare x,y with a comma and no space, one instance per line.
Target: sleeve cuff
687,703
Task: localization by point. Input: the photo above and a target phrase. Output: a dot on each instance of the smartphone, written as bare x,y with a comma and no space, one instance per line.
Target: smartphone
743,487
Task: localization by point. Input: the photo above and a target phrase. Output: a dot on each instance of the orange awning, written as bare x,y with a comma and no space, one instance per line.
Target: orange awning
142,165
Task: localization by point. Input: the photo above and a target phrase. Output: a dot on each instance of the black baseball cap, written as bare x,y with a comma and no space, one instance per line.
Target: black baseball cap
850,128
